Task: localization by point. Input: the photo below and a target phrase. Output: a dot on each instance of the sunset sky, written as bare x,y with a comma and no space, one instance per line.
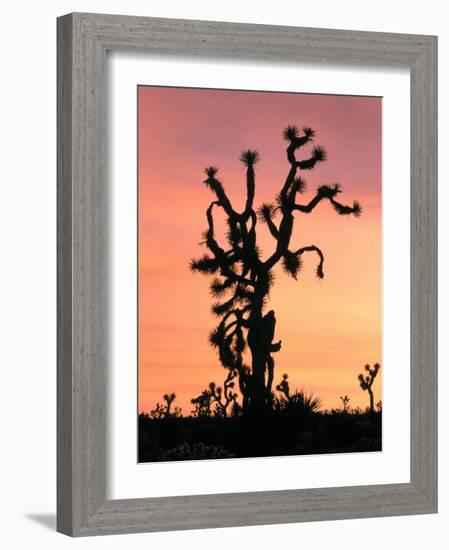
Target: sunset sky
329,328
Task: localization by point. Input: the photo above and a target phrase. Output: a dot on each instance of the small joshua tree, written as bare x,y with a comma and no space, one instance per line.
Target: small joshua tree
366,383
169,398
202,404
284,387
164,411
345,402
158,412
243,279
222,397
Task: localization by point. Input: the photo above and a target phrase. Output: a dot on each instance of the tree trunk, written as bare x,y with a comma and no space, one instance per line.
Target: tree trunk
371,400
257,390
259,397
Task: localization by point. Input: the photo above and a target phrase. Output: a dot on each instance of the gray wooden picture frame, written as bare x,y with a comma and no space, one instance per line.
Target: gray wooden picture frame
83,40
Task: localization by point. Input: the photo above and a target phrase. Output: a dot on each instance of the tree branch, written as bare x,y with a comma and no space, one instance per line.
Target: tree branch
250,191
313,248
291,187
225,259
329,193
210,236
266,214
217,187
273,229
318,155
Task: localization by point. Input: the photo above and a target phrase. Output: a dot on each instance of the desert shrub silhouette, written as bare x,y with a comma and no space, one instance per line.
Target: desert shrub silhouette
298,403
242,278
196,451
202,404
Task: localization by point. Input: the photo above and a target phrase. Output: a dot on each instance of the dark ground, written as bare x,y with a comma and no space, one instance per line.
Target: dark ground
190,438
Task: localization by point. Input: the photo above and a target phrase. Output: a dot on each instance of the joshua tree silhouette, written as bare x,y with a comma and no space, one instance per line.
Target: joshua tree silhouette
164,411
284,387
169,398
345,402
366,382
202,404
246,278
222,397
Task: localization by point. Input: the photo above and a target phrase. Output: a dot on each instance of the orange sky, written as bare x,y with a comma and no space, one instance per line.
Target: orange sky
329,328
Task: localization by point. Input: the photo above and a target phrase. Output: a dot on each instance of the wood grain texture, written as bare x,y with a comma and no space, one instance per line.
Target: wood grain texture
64,277
83,40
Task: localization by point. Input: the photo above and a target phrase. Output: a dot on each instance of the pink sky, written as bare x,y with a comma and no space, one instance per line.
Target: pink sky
330,328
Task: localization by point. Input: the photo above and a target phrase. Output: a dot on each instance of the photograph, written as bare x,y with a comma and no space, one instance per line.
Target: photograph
259,273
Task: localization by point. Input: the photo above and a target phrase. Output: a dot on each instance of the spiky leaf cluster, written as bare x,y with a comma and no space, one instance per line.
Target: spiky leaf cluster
205,265
319,154
308,132
290,133
249,157
266,211
328,191
211,171
217,336
218,287
356,209
292,263
220,309
299,185
343,210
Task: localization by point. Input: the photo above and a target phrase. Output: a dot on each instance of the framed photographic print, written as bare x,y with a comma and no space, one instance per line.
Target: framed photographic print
253,409
246,274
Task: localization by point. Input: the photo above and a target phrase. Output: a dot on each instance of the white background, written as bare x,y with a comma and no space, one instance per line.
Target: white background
27,300
131,480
